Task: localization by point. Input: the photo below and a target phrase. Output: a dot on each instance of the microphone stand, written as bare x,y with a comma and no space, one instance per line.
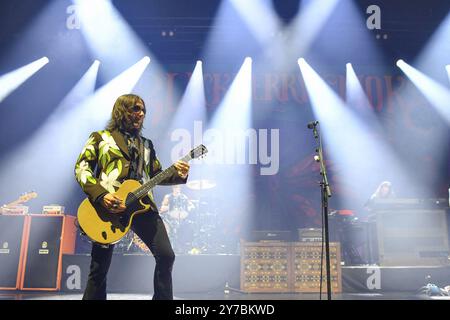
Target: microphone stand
325,194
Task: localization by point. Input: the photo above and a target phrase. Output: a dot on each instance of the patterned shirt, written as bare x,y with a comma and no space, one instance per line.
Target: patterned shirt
134,144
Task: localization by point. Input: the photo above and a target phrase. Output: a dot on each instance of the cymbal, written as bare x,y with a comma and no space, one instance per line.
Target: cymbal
201,184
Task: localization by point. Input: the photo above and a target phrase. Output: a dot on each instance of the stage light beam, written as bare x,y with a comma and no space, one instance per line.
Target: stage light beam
60,131
233,148
363,159
357,99
80,113
298,37
447,67
255,11
434,92
191,112
12,80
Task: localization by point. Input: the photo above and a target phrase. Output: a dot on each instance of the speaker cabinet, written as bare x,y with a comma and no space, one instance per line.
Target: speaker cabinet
265,267
48,237
306,260
11,250
412,237
288,267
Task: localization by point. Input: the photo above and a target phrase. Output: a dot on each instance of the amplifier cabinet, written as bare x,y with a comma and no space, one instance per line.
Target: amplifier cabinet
265,267
48,237
11,250
287,267
306,260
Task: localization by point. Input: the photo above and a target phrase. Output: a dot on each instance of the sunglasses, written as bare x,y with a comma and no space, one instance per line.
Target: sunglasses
137,109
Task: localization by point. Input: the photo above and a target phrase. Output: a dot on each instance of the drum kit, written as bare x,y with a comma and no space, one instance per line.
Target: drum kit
190,224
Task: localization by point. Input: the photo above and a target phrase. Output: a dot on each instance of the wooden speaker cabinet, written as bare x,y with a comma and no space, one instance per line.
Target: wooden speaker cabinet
265,267
287,267
306,267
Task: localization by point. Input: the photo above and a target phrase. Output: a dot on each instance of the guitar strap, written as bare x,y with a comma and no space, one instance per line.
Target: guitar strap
140,167
149,145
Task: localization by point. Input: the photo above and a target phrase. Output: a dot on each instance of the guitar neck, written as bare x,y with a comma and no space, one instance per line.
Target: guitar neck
146,187
14,203
21,199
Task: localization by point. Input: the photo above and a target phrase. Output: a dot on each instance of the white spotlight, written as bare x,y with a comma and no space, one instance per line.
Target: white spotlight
248,60
301,61
348,65
400,62
146,59
199,62
12,80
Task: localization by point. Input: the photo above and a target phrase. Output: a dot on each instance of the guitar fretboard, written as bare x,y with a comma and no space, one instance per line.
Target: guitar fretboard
146,187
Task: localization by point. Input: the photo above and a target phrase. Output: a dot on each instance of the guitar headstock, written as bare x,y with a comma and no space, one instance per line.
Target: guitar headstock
27,196
198,151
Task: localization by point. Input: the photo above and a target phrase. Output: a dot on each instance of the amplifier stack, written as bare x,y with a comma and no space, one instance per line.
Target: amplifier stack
31,249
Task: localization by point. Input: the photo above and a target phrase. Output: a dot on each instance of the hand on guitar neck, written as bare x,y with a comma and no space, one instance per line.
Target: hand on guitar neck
182,168
113,203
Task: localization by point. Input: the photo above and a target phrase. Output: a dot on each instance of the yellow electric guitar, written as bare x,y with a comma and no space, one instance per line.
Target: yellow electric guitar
104,227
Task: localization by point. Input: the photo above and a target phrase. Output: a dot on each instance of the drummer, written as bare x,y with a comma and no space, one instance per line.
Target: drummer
177,204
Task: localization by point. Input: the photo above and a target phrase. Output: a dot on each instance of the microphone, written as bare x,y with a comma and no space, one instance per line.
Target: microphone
312,124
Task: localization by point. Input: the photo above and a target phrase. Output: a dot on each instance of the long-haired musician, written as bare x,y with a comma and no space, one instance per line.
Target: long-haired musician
109,157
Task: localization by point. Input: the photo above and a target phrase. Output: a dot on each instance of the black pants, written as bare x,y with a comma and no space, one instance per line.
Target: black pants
150,228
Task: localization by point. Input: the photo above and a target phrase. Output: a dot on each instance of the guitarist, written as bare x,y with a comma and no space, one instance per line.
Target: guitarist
109,157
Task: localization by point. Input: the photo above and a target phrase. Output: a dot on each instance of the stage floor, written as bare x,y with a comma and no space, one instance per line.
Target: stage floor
221,296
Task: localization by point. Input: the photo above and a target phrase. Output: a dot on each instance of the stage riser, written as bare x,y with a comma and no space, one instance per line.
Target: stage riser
209,273
392,279
134,273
